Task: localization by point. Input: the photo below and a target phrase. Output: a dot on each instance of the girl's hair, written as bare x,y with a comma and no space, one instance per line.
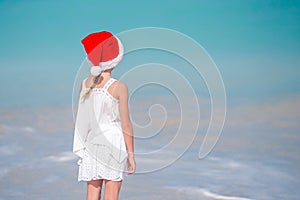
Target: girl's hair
95,82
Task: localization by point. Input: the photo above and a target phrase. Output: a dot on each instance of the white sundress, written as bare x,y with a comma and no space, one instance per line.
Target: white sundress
98,136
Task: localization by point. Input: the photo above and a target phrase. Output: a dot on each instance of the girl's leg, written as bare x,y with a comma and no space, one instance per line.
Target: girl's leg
94,189
112,189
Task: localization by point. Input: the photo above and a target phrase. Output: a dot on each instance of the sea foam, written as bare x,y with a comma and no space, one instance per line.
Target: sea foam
201,193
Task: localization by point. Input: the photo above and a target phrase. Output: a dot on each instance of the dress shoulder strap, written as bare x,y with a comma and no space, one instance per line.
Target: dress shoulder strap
108,83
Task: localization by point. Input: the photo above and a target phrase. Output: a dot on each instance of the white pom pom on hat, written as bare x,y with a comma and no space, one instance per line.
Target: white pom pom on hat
104,51
95,70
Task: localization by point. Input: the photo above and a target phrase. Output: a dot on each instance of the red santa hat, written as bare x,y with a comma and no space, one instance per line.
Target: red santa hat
104,51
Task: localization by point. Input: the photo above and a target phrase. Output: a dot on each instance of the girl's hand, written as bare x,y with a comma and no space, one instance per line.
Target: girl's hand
130,163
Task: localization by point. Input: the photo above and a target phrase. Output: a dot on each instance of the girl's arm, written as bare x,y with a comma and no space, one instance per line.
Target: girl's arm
122,92
124,115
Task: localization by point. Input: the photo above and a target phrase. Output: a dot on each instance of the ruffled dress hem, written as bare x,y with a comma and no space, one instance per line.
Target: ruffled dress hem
90,168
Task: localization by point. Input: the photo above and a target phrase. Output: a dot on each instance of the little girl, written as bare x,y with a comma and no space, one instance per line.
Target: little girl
103,135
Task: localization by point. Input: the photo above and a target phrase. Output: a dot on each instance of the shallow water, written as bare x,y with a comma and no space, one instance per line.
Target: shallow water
255,163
